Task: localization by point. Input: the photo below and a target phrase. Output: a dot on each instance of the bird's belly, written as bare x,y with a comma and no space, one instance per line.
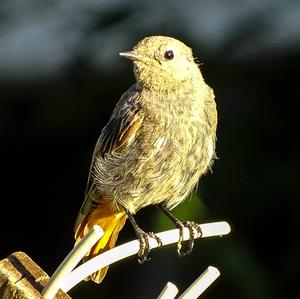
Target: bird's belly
168,175
165,172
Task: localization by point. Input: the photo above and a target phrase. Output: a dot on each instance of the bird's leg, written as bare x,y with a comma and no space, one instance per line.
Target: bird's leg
143,238
194,229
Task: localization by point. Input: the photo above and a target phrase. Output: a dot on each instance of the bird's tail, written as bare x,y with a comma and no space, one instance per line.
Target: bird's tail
111,222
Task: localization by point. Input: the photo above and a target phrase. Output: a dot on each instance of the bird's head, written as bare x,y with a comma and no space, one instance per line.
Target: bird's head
162,62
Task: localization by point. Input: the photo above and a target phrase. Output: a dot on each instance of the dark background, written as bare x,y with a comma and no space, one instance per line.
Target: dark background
60,77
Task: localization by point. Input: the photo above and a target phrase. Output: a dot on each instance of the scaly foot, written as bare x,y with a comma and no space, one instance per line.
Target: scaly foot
195,231
144,244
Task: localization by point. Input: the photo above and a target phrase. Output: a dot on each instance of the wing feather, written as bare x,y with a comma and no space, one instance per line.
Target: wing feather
120,131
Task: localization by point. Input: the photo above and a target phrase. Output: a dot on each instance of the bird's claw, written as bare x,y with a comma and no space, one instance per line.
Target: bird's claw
195,231
145,246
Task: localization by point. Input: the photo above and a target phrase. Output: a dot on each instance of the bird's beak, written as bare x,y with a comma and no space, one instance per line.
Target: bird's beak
131,55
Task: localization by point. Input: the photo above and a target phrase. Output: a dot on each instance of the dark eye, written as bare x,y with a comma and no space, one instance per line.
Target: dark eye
169,54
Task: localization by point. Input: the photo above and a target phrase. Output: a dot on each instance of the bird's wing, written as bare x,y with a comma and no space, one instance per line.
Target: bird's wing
121,129
119,132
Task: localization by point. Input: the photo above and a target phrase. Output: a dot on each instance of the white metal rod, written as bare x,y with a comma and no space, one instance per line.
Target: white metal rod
131,248
169,292
70,262
201,283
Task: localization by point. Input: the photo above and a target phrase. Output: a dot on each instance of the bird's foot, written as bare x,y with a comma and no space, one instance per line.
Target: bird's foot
195,231
144,244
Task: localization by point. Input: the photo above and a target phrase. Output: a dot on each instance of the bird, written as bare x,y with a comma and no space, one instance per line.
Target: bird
158,142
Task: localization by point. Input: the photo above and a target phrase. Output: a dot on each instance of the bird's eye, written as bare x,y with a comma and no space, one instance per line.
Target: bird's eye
169,54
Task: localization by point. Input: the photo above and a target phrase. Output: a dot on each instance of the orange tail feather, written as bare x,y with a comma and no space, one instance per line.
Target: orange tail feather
111,221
